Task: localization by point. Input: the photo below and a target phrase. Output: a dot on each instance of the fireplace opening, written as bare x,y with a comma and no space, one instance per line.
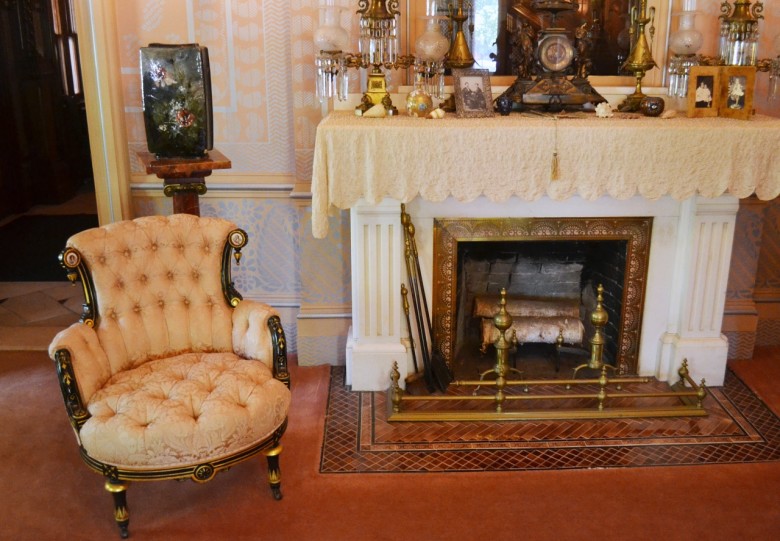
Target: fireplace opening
550,268
551,292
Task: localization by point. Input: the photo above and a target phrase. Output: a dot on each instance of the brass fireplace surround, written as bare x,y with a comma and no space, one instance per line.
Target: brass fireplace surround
635,230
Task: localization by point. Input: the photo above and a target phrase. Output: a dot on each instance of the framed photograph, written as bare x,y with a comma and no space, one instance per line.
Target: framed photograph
704,91
473,96
737,84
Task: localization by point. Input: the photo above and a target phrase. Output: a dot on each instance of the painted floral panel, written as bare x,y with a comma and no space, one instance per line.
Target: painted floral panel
176,96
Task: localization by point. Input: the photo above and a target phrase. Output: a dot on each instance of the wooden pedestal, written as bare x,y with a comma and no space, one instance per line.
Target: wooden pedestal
184,179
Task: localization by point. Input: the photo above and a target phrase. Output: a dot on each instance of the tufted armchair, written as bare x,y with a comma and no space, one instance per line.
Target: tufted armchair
169,374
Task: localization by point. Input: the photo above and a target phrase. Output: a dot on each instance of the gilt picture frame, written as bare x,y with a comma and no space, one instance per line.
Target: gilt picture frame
704,91
737,86
473,95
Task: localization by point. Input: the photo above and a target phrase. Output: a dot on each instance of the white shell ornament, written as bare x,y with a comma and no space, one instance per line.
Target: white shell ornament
604,110
437,113
377,111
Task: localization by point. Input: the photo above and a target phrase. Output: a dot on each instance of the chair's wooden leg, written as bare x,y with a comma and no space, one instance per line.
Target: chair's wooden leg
274,474
121,515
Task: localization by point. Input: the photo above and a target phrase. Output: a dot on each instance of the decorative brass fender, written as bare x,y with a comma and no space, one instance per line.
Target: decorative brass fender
691,398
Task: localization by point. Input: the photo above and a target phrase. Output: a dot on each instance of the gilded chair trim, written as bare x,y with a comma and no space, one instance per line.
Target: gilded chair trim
280,350
76,269
201,472
77,413
236,240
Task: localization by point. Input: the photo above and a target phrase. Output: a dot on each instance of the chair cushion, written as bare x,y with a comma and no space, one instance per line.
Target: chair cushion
183,410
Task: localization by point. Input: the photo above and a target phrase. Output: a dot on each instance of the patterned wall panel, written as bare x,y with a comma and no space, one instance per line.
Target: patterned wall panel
745,253
768,275
321,350
741,344
325,266
307,111
269,266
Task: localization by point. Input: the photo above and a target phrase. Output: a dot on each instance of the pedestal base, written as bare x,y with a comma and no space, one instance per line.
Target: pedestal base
369,365
706,357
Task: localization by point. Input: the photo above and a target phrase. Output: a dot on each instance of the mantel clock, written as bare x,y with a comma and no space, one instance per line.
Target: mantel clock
552,60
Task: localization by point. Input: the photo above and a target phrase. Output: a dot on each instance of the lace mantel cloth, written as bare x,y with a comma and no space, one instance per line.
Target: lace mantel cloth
403,157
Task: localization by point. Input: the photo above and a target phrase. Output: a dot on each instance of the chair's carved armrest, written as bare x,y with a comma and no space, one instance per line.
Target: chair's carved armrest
258,334
82,368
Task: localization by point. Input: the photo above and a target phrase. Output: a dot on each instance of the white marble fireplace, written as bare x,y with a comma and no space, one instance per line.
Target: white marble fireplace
687,174
690,254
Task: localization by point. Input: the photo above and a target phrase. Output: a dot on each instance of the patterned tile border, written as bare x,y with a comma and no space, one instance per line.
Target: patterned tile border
740,428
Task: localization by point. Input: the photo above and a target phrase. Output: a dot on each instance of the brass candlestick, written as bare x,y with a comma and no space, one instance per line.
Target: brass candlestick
640,59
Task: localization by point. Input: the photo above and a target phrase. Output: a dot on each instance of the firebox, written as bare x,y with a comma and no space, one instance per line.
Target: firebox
550,269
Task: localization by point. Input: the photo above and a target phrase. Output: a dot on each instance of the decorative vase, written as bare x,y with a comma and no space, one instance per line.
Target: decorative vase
176,97
504,105
419,103
651,106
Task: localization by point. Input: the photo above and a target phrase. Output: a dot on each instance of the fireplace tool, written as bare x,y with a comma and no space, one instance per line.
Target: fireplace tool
434,365
417,379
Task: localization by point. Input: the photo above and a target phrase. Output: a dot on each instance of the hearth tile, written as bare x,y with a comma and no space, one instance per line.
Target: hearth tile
740,428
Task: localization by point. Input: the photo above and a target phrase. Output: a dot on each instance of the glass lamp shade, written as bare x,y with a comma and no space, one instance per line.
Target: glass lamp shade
331,37
684,43
687,39
330,40
432,45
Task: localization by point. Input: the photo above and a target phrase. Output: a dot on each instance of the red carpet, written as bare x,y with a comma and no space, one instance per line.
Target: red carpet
49,494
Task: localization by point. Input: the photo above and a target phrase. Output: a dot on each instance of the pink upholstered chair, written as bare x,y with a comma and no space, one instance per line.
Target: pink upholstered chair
169,374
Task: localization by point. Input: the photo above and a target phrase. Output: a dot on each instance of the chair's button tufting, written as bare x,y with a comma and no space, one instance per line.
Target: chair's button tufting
101,259
126,252
137,308
119,284
161,303
143,279
186,301
195,275
154,246
169,275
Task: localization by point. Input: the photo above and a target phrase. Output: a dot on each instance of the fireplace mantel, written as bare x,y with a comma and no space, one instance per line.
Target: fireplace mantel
404,157
685,173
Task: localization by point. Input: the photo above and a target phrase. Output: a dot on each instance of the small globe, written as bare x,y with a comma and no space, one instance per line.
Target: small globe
418,104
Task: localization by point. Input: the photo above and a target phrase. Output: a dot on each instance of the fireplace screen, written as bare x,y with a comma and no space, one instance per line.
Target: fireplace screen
550,269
